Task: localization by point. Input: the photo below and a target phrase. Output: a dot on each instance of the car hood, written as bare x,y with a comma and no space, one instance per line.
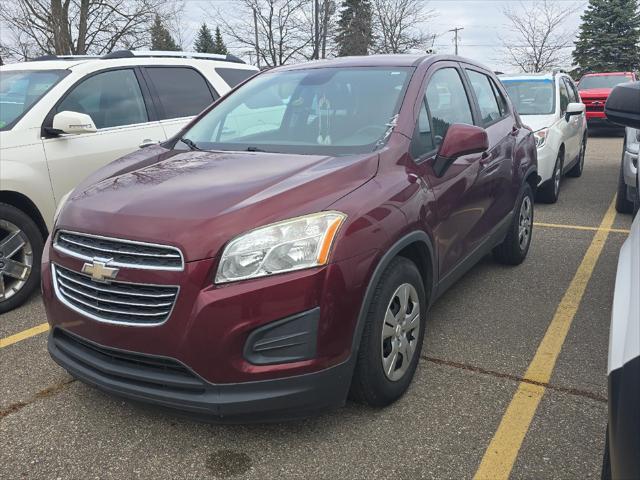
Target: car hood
198,201
536,122
595,92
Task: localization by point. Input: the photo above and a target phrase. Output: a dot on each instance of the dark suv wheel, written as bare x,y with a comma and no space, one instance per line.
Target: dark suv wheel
513,250
21,247
392,339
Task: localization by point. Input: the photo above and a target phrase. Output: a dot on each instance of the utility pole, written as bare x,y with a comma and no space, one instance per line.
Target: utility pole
316,46
455,33
255,25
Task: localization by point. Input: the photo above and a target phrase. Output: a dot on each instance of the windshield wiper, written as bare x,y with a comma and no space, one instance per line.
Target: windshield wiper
255,149
190,143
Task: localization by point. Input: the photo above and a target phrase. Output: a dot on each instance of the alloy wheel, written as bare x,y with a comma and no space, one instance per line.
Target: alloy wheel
524,222
16,259
400,331
557,175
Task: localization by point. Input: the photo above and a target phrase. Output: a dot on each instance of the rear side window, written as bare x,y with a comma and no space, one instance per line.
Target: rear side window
112,99
502,102
448,102
234,76
182,92
489,109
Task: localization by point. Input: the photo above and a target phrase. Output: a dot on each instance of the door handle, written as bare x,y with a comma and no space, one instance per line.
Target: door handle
148,143
485,158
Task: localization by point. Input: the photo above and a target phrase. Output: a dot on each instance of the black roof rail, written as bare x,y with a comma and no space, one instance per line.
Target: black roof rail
170,54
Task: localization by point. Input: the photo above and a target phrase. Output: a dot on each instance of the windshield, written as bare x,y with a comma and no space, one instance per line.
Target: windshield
602,81
20,89
332,111
536,96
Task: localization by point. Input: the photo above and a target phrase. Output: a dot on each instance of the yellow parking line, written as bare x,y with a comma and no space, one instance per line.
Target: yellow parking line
502,452
580,227
31,332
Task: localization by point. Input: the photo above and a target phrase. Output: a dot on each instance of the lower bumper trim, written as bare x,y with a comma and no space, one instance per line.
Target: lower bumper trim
261,401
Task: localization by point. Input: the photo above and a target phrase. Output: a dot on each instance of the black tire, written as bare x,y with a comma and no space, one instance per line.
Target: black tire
370,384
606,459
578,168
550,192
623,205
512,251
30,229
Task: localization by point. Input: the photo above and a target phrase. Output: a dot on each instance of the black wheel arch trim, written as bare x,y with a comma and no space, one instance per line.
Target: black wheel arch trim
417,236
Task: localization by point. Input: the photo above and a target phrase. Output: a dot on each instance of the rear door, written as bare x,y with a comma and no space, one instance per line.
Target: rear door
496,166
115,101
461,194
179,93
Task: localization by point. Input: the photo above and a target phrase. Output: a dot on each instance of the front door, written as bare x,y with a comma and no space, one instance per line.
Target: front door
115,102
461,192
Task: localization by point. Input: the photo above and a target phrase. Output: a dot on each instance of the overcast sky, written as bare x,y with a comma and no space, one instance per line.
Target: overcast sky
482,20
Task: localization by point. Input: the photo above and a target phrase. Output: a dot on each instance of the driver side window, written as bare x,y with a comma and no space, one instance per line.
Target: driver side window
448,102
564,97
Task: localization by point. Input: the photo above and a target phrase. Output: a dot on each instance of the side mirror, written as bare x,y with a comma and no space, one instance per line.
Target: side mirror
574,109
623,105
73,123
460,139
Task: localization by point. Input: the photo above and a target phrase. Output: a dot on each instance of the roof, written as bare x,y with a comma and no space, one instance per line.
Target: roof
387,60
529,76
126,57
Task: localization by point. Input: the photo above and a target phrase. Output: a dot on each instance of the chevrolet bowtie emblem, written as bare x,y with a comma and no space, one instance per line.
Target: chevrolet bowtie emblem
99,270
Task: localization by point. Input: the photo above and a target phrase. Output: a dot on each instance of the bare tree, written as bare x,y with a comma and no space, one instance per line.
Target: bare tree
78,27
321,20
538,39
282,32
400,25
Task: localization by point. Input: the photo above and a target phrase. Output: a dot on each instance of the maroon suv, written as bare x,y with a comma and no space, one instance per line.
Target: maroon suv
284,249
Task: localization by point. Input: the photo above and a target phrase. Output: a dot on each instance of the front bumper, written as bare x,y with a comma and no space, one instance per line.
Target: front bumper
547,157
167,383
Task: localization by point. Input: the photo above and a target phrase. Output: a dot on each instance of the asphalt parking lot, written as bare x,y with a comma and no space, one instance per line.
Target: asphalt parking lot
512,380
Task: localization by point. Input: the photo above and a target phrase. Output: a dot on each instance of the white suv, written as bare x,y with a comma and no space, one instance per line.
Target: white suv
61,118
549,103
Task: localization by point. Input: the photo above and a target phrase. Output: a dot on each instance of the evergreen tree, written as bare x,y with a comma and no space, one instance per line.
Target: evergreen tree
161,38
218,44
355,28
609,38
204,40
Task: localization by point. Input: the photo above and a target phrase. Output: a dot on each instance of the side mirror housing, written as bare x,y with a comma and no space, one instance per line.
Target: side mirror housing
574,109
73,123
623,105
460,139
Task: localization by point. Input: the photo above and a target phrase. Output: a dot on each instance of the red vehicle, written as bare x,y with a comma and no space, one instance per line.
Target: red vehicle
594,89
285,247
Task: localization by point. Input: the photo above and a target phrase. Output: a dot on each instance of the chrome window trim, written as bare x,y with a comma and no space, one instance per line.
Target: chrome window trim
62,299
136,266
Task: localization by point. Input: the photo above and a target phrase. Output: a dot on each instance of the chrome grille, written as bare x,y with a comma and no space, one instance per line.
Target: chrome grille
120,253
115,302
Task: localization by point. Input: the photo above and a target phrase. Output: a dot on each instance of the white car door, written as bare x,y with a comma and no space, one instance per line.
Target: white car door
115,102
180,93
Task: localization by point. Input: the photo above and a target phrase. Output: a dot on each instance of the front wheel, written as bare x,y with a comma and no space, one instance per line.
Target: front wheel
513,250
392,339
550,192
21,247
578,168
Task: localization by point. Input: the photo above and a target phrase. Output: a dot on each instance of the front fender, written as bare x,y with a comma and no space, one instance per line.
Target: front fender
24,171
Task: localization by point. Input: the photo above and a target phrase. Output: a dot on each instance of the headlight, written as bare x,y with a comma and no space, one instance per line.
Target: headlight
61,203
541,137
295,244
